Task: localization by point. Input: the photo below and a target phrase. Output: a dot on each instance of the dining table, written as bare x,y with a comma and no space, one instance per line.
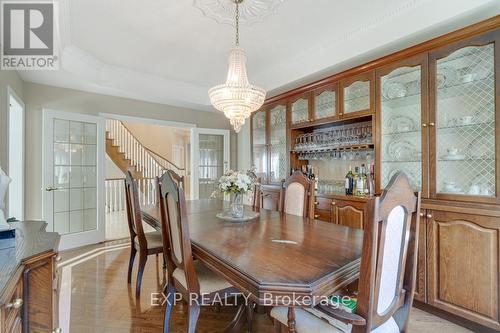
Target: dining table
276,259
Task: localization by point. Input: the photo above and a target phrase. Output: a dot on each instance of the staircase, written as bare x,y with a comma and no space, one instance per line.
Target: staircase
129,154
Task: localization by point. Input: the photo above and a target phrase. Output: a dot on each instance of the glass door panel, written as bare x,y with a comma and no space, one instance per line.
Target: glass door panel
277,144
401,135
211,163
259,145
357,97
325,104
465,122
300,111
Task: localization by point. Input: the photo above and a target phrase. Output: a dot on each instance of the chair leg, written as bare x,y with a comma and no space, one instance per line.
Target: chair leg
143,257
250,311
133,251
277,326
170,292
192,318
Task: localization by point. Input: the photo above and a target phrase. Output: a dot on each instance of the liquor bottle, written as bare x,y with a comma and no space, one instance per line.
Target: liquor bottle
371,180
349,177
360,182
356,181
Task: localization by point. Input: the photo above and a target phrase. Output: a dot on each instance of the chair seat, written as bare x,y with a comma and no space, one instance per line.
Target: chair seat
306,322
153,239
208,280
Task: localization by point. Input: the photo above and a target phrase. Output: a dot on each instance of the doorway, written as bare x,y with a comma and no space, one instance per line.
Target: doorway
15,207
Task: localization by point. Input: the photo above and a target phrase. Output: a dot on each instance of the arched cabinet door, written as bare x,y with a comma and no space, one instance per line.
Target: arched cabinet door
357,95
300,109
402,113
464,120
259,145
463,265
278,152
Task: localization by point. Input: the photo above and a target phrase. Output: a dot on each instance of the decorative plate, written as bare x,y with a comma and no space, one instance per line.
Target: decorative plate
401,150
482,146
400,124
395,90
247,216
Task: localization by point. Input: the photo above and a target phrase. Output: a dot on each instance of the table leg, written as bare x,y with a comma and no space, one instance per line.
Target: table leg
291,320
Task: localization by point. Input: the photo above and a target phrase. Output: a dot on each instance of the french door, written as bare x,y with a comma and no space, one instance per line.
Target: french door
210,158
73,177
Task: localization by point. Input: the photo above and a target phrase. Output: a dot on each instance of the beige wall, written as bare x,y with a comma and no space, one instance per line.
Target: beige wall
38,96
13,80
244,158
161,139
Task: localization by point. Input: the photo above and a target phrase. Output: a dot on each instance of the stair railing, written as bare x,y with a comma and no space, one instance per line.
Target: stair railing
147,162
115,193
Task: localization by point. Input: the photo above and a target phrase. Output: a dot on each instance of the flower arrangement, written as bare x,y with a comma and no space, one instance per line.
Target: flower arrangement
237,182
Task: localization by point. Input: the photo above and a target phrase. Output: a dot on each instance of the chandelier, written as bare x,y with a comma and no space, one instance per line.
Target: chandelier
237,98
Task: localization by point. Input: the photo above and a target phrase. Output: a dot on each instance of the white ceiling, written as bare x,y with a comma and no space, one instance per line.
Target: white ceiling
167,51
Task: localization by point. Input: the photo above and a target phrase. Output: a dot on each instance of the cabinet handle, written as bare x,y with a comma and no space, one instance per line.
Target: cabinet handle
333,203
424,125
429,216
316,216
421,214
18,302
57,330
316,202
431,124
340,113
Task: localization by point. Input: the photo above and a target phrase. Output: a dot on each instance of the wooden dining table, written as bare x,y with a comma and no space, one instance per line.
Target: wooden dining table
276,258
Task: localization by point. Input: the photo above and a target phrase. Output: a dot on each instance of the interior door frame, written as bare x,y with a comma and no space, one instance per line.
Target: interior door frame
195,157
12,93
85,237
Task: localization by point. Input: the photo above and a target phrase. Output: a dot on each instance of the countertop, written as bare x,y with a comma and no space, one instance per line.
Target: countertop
341,196
31,240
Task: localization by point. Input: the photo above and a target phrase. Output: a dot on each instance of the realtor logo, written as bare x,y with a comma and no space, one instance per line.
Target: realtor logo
28,35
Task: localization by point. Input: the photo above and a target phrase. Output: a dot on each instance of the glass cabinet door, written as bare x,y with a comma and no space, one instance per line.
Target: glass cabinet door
357,95
325,103
278,166
259,144
400,123
464,115
300,110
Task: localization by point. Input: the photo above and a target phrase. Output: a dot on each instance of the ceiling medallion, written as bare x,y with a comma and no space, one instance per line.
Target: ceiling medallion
251,11
237,98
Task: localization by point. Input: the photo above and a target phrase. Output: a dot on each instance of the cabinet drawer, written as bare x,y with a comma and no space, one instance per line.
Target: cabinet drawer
323,203
323,215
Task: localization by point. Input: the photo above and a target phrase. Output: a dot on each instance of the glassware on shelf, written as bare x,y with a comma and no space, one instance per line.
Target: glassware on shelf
465,120
277,147
334,138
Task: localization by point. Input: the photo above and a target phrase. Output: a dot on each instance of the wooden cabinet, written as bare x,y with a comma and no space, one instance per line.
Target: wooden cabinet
463,265
11,311
300,109
421,280
348,213
464,120
270,197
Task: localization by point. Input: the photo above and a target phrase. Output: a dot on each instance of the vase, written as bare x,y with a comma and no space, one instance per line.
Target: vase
237,209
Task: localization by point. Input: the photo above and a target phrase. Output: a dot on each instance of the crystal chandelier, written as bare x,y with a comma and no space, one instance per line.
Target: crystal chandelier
237,98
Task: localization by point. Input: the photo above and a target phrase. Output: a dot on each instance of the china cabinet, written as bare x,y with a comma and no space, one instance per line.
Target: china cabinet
300,109
464,118
326,103
402,113
269,143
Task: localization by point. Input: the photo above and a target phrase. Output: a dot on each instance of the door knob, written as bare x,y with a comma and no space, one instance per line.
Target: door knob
51,188
431,124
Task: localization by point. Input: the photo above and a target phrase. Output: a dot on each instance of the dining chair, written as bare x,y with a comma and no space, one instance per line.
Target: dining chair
252,198
145,243
190,278
297,195
387,273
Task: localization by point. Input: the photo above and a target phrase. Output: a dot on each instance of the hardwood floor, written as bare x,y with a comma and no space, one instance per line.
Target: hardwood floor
101,300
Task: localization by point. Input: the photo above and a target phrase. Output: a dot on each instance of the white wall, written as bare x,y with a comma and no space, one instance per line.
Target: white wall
244,158
37,97
12,79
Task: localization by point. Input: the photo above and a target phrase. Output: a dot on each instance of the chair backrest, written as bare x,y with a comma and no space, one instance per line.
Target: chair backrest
252,197
134,217
174,224
389,257
296,195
